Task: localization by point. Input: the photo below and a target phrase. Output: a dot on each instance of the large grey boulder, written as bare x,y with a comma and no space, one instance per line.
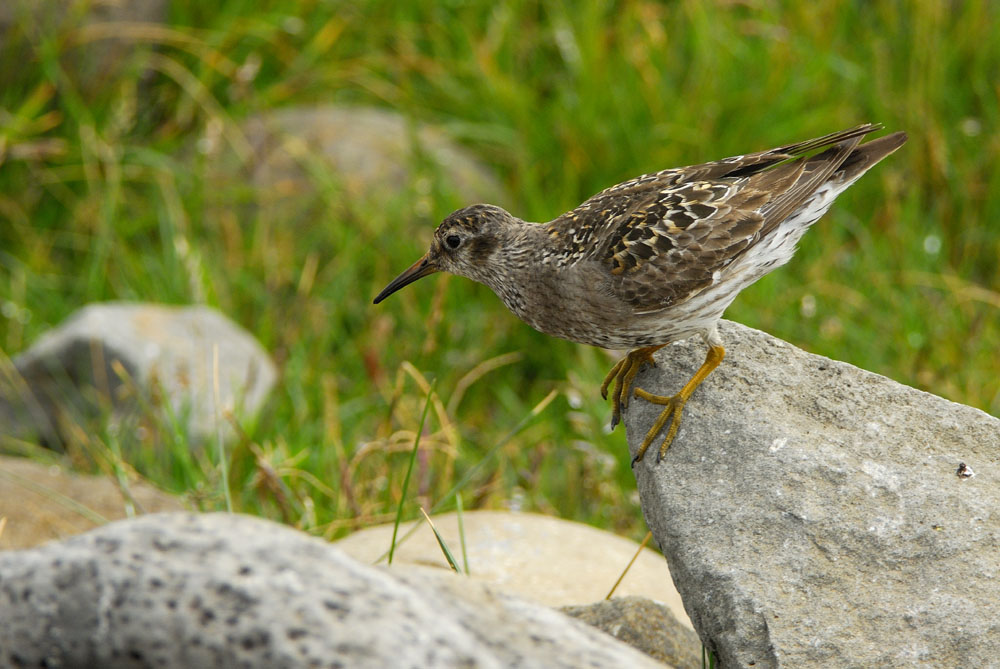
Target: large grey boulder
817,515
127,357
218,590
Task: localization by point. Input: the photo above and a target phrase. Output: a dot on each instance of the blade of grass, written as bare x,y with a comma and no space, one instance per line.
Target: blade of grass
459,513
638,551
523,423
223,462
478,372
409,470
707,658
444,547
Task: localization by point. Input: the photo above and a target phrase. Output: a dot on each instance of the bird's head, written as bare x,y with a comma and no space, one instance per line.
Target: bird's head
463,244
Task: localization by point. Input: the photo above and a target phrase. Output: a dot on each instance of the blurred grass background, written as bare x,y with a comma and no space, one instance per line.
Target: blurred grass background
107,192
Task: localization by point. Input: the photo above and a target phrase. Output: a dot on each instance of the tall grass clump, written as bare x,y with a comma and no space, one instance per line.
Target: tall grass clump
127,180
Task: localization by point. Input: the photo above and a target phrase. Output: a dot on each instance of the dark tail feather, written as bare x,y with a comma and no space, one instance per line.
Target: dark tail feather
800,148
865,156
755,163
846,160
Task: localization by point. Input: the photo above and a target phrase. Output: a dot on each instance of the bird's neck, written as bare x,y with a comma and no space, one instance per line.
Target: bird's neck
516,268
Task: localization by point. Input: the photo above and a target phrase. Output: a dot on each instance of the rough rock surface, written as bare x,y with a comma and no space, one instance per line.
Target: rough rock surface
167,352
184,590
542,559
644,624
42,502
812,514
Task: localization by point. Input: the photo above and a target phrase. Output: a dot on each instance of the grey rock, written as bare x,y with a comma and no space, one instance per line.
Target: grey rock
373,152
645,625
812,514
120,357
218,590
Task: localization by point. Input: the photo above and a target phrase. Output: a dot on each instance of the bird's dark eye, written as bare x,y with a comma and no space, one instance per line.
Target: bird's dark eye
453,241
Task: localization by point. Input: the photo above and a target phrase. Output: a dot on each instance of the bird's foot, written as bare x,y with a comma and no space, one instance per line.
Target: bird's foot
623,374
673,405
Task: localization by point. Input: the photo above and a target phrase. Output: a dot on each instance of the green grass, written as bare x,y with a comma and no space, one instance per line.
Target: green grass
104,195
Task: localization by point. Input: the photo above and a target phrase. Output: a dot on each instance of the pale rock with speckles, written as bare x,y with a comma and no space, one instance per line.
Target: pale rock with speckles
218,590
814,514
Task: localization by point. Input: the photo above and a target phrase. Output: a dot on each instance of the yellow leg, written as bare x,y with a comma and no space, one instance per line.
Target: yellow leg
675,404
623,373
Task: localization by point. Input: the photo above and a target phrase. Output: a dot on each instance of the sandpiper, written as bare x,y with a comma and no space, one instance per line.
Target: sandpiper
655,259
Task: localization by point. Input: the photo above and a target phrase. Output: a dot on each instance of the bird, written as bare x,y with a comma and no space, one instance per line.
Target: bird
655,259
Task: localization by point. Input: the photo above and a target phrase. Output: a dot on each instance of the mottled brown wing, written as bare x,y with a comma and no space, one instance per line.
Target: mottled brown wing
729,168
669,246
664,235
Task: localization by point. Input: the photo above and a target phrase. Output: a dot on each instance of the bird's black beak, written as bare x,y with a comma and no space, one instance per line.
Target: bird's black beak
417,270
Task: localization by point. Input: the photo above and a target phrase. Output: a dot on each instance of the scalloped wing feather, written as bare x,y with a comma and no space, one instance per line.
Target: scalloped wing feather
670,233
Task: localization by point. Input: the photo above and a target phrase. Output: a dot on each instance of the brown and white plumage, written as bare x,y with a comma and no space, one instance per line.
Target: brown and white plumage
657,258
